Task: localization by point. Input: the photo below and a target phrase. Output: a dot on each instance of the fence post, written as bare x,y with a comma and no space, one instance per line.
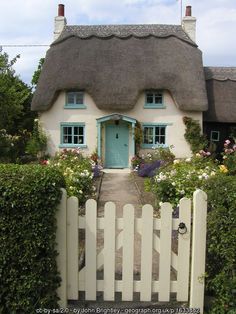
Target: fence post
198,250
61,249
72,239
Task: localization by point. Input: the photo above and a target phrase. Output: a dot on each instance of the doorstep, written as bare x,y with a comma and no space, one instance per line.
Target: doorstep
114,170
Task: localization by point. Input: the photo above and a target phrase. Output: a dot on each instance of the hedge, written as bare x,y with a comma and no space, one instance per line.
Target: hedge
29,196
221,239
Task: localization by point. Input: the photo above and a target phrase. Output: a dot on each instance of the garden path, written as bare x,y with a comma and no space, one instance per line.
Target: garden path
119,188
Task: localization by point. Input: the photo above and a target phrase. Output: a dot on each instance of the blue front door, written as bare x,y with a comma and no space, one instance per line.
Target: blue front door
117,146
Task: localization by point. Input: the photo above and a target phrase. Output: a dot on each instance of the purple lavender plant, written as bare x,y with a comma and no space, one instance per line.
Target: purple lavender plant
149,170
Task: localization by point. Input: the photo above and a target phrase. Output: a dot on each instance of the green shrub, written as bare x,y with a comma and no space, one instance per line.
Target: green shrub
37,144
221,239
29,196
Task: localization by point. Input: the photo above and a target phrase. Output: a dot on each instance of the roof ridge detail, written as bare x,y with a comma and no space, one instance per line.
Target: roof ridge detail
124,31
220,73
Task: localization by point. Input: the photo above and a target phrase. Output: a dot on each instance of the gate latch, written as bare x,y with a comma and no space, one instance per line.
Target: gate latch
182,229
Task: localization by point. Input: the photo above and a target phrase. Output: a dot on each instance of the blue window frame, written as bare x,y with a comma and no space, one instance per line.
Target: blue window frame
154,135
154,99
73,135
75,100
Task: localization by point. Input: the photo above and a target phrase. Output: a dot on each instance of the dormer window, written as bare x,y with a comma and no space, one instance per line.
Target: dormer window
154,99
75,100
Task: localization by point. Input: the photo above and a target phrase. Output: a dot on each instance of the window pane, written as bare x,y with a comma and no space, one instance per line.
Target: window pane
67,130
71,98
67,139
81,140
159,135
215,136
148,135
158,98
76,130
149,98
157,130
162,140
79,98
81,130
163,131
76,139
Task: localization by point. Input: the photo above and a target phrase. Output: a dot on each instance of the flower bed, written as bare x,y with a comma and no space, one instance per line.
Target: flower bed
78,172
148,163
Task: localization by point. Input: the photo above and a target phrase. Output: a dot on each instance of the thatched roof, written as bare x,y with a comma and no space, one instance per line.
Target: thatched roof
221,91
115,63
124,31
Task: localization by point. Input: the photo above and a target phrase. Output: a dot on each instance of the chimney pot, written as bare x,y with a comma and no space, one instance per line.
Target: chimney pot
188,10
61,10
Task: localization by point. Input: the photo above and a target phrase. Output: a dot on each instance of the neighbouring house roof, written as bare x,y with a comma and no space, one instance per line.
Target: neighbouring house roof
221,91
115,63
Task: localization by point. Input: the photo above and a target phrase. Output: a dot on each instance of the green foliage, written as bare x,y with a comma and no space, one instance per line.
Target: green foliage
29,196
13,146
193,135
15,98
221,239
16,118
37,144
138,136
182,178
77,171
37,72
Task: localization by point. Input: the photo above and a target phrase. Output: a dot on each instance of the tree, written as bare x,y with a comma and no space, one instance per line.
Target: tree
37,72
15,99
16,118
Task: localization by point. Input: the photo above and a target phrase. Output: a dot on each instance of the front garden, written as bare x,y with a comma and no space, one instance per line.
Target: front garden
170,179
29,195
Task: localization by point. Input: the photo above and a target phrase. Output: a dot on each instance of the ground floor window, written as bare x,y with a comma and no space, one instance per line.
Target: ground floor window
154,135
215,136
72,134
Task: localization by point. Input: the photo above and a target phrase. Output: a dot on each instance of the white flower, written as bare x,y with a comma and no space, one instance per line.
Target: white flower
182,192
213,173
80,192
36,120
188,159
200,177
173,183
176,161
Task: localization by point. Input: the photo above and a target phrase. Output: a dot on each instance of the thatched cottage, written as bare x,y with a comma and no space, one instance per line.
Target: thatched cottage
99,82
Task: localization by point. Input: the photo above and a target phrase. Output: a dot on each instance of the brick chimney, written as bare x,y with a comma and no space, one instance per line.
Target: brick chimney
189,23
60,21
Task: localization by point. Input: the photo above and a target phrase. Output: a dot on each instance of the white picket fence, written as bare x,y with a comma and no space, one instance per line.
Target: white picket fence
73,280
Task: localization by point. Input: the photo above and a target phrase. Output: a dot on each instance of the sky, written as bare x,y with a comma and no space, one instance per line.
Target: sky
31,22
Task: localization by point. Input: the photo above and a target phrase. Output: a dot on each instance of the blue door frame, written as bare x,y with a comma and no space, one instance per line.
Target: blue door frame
123,120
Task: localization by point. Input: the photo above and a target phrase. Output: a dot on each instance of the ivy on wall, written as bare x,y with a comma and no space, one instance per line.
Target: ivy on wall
193,135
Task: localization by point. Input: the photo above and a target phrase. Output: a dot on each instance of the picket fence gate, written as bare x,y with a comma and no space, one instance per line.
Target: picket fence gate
189,285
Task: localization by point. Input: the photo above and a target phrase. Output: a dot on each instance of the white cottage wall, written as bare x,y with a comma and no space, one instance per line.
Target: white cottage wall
171,115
